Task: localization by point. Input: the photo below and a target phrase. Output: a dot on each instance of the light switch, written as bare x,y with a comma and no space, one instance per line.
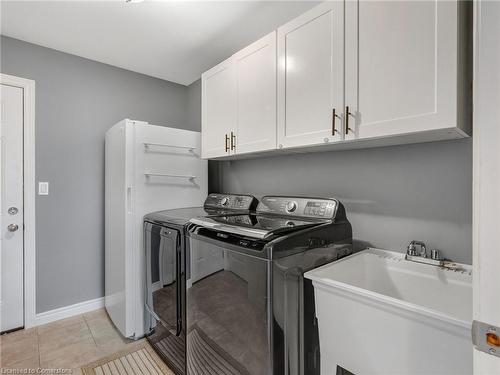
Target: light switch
43,188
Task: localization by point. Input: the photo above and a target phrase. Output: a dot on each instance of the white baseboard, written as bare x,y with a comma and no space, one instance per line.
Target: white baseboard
156,286
69,311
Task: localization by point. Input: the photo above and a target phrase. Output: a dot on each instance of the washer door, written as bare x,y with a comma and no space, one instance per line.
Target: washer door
228,322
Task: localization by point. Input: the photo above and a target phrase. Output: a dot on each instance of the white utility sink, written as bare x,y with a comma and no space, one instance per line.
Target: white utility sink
381,314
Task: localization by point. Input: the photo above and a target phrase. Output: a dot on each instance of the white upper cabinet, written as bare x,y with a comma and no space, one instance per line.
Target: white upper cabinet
310,77
380,72
218,116
239,102
402,68
256,96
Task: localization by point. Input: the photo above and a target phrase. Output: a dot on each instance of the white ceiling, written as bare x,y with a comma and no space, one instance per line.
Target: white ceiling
172,40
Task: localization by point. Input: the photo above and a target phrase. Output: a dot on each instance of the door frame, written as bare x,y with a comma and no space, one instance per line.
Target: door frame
486,161
29,191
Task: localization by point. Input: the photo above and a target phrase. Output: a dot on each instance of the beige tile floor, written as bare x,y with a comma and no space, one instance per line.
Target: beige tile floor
68,343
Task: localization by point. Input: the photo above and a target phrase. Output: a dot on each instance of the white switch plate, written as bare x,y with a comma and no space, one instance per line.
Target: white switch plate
43,188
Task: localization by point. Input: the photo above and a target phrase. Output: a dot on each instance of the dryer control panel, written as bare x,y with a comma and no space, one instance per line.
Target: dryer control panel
323,208
231,201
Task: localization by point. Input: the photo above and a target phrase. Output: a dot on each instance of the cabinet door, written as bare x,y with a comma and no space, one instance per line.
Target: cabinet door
401,67
218,109
310,77
256,96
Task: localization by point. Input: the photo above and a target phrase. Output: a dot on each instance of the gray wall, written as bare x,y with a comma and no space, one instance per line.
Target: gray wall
194,105
392,194
77,100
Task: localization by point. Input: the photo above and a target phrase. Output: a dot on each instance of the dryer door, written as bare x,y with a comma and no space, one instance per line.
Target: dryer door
162,247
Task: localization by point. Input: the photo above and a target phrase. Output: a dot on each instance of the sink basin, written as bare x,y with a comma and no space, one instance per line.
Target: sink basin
381,314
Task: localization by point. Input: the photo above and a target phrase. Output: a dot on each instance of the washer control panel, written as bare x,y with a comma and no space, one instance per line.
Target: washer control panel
297,206
230,201
322,209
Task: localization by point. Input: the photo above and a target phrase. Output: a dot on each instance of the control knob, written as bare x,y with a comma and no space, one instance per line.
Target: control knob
224,201
291,206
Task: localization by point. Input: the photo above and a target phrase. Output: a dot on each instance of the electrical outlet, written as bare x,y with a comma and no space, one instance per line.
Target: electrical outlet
43,188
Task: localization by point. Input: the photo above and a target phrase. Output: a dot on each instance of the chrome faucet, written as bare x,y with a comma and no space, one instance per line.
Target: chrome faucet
421,256
412,251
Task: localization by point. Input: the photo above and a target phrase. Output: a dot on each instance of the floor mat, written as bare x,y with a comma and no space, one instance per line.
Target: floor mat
138,359
204,357
172,349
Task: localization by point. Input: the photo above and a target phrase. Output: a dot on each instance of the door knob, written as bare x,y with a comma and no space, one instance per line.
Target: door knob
13,227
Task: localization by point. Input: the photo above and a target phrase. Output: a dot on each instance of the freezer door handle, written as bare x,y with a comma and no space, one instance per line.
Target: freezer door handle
129,199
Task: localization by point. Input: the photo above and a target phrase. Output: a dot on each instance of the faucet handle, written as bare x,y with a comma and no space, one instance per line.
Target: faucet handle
423,250
435,254
411,249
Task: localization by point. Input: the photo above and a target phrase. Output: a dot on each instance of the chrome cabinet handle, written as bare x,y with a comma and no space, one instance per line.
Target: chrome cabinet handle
334,115
233,141
12,227
347,114
226,146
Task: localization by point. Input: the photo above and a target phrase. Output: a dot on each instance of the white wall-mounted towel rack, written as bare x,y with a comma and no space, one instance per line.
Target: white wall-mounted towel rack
153,174
149,144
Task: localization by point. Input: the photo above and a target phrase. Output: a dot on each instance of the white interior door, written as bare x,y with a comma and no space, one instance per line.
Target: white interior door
486,260
11,208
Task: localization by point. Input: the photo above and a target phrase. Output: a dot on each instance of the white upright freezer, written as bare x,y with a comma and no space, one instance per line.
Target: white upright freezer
148,168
